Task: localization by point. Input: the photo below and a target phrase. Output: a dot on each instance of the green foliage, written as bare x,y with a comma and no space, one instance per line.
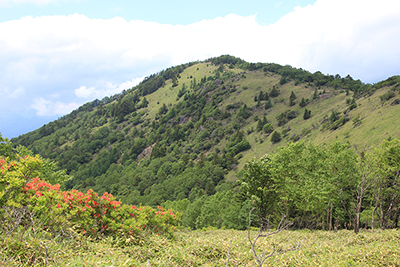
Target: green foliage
388,95
307,114
268,105
301,181
292,98
106,144
276,137
258,185
303,102
352,103
335,121
274,92
238,143
5,147
284,117
243,113
32,203
158,151
268,128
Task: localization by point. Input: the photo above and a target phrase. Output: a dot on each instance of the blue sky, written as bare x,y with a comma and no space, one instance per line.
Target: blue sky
161,11
55,55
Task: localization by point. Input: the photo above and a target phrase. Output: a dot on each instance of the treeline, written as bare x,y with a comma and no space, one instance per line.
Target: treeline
313,186
299,76
327,187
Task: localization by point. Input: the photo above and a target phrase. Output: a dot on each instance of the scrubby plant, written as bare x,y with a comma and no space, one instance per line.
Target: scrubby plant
28,203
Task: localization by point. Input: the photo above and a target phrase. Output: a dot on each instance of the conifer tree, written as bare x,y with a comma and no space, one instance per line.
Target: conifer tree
274,92
268,105
307,114
303,102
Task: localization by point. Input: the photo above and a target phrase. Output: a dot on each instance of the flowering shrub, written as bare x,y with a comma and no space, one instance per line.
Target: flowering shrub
87,213
13,175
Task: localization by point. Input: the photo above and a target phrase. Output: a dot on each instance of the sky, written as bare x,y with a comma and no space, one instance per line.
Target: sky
56,55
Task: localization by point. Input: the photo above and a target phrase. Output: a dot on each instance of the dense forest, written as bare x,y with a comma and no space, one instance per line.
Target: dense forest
181,138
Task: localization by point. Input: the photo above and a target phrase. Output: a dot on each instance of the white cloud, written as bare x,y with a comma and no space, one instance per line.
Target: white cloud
49,108
54,63
8,94
339,36
84,92
108,89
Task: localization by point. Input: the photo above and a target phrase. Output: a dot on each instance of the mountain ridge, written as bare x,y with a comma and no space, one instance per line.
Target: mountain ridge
207,119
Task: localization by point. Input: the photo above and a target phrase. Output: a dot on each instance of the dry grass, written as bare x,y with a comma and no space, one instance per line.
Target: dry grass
210,248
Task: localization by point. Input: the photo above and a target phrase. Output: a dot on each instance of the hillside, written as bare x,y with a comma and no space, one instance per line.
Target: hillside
187,131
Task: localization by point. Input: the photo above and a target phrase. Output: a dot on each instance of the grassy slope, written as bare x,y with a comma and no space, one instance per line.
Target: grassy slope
211,247
168,94
378,121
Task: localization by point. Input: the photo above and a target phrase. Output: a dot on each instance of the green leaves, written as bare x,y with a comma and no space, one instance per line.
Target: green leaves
300,178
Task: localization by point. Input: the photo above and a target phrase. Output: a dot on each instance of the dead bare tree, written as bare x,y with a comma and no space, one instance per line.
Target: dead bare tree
265,231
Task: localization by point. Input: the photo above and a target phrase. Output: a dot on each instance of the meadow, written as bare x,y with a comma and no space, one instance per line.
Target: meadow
210,247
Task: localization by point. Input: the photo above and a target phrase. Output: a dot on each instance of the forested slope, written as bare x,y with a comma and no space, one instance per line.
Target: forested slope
182,136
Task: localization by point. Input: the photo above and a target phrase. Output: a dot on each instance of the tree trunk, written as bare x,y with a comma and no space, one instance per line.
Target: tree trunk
381,218
331,219
357,222
396,218
373,213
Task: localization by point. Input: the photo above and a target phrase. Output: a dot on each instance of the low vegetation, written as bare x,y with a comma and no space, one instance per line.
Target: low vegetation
209,247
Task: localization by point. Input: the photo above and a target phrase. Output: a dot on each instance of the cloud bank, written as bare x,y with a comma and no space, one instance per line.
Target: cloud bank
53,64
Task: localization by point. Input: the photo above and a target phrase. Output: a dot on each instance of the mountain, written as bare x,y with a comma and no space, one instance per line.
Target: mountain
187,131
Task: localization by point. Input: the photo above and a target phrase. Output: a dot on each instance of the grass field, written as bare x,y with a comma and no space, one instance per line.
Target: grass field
212,248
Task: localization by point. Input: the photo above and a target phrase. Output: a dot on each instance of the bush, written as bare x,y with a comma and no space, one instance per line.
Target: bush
268,128
28,202
276,137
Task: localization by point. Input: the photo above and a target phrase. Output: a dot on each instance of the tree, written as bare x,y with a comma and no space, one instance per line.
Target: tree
303,102
367,176
174,81
292,98
258,185
387,185
274,92
310,182
259,126
266,232
268,128
315,93
268,105
276,137
307,114
163,109
145,103
158,151
244,112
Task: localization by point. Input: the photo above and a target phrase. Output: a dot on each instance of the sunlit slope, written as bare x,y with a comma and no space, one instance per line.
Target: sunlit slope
196,110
